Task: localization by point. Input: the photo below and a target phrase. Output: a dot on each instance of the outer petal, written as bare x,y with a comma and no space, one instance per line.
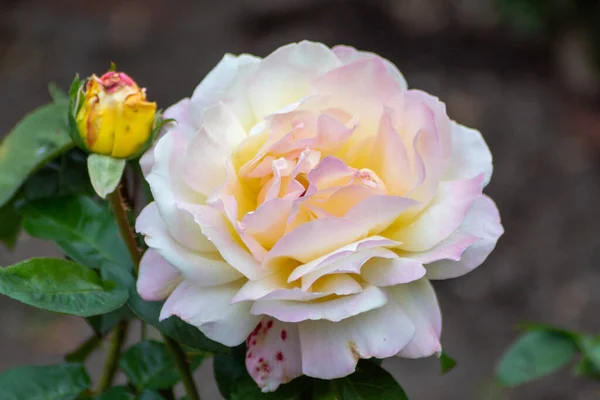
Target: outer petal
349,55
169,190
483,222
441,218
205,269
331,349
284,76
209,310
157,278
273,355
419,302
220,84
470,155
333,310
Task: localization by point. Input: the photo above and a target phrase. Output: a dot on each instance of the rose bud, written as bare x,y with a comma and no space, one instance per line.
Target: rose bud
110,115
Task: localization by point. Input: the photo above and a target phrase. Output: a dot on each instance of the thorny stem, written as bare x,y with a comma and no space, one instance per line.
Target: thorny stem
114,352
119,209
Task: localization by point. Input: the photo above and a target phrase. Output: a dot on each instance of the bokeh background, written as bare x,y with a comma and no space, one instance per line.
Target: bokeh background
524,72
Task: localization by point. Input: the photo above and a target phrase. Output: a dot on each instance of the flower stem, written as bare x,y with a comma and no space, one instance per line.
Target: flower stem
182,367
119,209
114,352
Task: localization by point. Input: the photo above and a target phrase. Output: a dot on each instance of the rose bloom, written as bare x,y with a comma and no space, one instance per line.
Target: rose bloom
303,202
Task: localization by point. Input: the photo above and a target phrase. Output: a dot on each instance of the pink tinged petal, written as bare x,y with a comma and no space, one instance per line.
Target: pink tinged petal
364,83
333,310
330,172
351,264
169,190
376,213
204,269
267,224
419,302
331,133
284,76
307,161
470,155
389,158
314,239
273,354
209,309
341,253
332,349
451,248
427,120
221,233
157,278
391,271
205,164
349,55
483,222
220,84
147,161
441,218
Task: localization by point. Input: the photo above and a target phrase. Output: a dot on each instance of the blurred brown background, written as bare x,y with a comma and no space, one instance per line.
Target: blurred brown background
529,82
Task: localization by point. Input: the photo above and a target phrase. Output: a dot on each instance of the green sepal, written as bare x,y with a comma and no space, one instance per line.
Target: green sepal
76,95
105,173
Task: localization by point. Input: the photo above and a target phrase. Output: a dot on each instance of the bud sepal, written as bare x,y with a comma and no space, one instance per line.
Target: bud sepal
105,173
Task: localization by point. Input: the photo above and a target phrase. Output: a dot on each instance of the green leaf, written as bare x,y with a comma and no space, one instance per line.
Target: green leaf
39,137
590,347
105,173
10,225
369,382
534,355
102,324
60,286
447,363
58,95
586,369
229,368
149,365
65,175
117,393
85,231
173,327
246,389
56,382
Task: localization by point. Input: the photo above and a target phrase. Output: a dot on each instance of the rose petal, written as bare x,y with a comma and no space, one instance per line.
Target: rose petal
169,190
441,218
284,76
334,310
483,222
419,302
209,309
219,231
273,356
205,269
391,271
157,278
470,155
349,55
227,81
332,349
